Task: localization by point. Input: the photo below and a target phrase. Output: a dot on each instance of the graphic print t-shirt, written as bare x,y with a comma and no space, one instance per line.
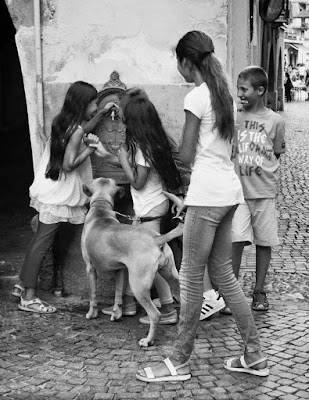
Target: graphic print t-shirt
258,137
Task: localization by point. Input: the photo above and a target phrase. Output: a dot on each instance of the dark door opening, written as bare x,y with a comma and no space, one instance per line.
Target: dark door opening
16,169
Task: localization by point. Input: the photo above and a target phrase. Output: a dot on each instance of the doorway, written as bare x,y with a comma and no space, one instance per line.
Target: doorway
16,168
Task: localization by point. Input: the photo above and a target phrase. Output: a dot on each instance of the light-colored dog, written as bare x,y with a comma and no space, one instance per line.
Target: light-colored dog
108,245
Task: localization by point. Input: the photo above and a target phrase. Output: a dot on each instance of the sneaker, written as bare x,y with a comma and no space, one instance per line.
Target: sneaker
259,302
226,311
211,306
157,302
166,319
128,310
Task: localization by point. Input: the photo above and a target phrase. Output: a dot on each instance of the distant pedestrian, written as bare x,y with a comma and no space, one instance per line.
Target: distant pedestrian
258,145
307,84
56,192
302,72
288,86
213,195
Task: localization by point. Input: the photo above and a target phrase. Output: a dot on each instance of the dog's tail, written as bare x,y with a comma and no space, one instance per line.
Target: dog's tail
167,237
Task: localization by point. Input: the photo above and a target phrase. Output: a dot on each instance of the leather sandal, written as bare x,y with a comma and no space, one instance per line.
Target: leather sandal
17,291
37,306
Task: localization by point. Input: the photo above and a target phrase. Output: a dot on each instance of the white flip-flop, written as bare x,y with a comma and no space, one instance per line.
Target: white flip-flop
174,376
246,368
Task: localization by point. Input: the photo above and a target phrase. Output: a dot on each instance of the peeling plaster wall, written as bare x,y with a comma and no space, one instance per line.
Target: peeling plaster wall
87,40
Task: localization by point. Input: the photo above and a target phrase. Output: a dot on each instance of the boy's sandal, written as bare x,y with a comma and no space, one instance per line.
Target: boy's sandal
259,301
247,368
149,376
36,306
17,291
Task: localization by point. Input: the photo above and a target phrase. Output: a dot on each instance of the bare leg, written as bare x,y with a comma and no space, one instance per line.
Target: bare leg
238,248
263,255
163,288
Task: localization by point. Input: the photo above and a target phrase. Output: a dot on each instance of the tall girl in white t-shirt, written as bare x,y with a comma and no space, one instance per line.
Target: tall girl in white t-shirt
212,198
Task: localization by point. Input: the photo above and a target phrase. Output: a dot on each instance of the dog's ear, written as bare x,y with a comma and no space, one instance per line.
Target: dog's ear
121,192
87,191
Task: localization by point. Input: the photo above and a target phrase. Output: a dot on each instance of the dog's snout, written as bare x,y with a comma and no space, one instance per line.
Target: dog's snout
121,191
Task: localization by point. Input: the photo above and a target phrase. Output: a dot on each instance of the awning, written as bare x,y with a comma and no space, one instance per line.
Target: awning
293,46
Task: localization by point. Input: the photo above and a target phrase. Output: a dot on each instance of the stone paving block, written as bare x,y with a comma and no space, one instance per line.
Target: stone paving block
276,394
302,394
85,396
104,396
168,395
302,386
150,395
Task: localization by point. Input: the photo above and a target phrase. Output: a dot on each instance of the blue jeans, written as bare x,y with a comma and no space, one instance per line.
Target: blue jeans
207,242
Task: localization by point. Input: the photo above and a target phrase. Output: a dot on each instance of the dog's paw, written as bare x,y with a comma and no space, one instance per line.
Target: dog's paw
92,314
145,343
116,316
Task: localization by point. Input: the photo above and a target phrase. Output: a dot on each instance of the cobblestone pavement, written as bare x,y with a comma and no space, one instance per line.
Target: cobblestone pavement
65,356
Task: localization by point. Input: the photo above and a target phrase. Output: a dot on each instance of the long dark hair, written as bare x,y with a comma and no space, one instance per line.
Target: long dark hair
145,131
198,47
77,98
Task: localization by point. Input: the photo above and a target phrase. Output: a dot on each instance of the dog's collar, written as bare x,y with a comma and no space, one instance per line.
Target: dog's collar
101,201
129,217
138,219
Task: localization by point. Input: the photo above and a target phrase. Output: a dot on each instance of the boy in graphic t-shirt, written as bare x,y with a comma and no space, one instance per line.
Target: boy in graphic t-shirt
259,141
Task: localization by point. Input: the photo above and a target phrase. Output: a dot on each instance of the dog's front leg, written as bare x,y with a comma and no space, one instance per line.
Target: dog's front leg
117,309
93,308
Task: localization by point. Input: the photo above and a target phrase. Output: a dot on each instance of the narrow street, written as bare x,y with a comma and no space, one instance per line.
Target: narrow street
65,356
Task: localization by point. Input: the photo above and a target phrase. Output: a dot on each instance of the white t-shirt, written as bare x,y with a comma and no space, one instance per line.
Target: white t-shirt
150,196
214,182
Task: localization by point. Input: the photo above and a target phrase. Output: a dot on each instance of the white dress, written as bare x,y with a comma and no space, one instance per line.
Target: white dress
62,200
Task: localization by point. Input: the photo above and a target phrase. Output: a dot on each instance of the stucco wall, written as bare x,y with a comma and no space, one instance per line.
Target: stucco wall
87,40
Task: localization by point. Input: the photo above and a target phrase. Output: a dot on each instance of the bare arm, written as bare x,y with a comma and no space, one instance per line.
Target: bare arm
136,178
72,157
188,145
90,125
101,151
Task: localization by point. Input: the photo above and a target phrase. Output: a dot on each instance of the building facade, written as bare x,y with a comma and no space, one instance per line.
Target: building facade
297,34
63,41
